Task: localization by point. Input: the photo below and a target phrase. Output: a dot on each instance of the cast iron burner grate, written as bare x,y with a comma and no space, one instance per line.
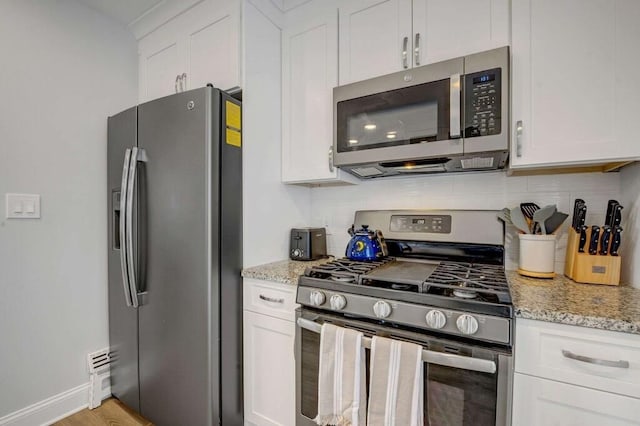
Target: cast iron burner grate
344,270
467,280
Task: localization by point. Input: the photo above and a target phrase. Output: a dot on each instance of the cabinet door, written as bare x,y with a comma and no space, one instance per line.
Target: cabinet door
160,61
269,370
309,74
574,96
542,402
445,29
372,38
212,45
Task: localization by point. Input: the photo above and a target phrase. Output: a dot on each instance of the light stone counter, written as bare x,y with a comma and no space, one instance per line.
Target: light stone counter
285,271
561,300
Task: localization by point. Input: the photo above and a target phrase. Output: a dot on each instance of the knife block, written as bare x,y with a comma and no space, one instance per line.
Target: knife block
590,269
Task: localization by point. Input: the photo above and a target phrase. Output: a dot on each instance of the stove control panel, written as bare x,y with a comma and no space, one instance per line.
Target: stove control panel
448,321
431,224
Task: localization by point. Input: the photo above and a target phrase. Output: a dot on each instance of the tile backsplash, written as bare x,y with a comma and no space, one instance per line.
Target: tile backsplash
334,207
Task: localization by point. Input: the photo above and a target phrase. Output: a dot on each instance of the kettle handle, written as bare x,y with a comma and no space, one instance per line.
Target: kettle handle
351,230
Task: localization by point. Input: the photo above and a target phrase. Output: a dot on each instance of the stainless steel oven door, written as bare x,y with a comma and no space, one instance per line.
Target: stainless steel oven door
453,396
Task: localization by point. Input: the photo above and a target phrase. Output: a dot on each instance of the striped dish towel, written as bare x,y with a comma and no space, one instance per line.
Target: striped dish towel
396,387
341,377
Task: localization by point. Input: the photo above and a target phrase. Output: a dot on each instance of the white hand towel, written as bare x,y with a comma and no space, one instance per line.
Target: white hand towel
341,377
396,387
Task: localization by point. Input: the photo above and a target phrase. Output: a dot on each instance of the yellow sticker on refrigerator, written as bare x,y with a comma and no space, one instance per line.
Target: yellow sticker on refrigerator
234,117
234,137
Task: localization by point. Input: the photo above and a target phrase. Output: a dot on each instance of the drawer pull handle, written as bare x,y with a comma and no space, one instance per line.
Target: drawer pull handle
589,360
270,299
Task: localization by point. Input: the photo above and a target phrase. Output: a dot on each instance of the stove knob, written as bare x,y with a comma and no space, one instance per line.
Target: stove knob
338,302
382,309
317,298
436,319
467,324
296,252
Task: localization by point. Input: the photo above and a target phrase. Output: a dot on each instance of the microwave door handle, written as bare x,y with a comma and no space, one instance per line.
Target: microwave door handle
123,231
454,106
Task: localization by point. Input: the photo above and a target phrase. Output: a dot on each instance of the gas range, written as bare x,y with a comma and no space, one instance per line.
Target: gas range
447,279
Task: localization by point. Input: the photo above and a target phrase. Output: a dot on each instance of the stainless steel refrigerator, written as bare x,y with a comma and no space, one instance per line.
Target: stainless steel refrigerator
175,255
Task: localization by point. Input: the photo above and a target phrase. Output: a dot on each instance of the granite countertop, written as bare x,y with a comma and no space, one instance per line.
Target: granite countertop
284,271
561,300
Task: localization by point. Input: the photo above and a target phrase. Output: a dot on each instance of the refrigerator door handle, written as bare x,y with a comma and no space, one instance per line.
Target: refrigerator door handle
137,154
123,229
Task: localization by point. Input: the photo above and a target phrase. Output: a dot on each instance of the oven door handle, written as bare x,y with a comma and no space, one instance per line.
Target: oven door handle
432,357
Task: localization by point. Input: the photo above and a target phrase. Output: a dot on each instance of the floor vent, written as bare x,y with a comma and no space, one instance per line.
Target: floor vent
98,363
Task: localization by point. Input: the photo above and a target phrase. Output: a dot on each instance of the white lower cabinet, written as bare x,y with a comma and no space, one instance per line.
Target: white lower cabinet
542,402
269,365
567,375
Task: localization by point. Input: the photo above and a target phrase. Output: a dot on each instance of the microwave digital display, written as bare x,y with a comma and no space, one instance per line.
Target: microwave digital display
484,78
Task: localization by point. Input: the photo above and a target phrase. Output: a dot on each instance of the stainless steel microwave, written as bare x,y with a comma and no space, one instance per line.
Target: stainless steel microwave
450,116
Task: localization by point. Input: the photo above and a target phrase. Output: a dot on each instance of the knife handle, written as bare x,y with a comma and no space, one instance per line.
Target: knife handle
615,244
595,237
604,241
611,205
583,238
617,216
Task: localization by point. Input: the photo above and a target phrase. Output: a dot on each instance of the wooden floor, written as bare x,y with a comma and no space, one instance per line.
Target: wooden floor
111,413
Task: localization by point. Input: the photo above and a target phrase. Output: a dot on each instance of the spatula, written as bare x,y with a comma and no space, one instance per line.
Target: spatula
519,221
555,221
540,216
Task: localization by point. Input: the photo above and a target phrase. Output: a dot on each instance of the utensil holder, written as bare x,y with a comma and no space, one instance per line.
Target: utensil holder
590,269
537,255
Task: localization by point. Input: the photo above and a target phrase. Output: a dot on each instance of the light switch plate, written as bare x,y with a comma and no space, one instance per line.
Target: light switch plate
22,206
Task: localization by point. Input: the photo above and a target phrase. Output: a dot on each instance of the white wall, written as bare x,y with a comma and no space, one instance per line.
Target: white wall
630,251
334,207
65,68
271,208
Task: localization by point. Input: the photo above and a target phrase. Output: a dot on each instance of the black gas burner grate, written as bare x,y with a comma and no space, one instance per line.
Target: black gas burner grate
467,280
344,270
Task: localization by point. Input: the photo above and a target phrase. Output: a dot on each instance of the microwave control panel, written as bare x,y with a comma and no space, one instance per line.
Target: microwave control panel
432,224
483,103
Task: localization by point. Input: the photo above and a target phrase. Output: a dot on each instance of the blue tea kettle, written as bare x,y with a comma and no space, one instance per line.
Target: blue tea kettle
365,245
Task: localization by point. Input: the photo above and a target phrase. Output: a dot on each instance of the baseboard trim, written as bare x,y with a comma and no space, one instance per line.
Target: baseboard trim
52,409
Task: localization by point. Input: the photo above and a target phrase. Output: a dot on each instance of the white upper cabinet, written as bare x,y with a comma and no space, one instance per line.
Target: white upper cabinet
445,29
375,38
199,46
575,97
378,37
309,74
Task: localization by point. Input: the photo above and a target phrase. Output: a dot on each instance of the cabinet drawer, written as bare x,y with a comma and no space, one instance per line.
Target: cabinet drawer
597,359
542,402
274,299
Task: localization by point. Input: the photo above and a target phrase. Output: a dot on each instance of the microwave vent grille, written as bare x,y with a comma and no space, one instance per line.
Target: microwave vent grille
366,171
477,163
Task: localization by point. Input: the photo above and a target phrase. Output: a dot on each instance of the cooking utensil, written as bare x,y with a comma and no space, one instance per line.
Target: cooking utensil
604,240
611,204
528,209
364,245
505,215
580,218
583,238
540,216
615,244
555,222
595,237
519,221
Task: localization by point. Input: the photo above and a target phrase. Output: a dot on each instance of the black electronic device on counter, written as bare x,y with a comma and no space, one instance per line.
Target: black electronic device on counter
308,243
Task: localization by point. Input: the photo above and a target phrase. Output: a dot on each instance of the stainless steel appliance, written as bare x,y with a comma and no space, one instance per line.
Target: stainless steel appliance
308,243
450,116
175,255
443,287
